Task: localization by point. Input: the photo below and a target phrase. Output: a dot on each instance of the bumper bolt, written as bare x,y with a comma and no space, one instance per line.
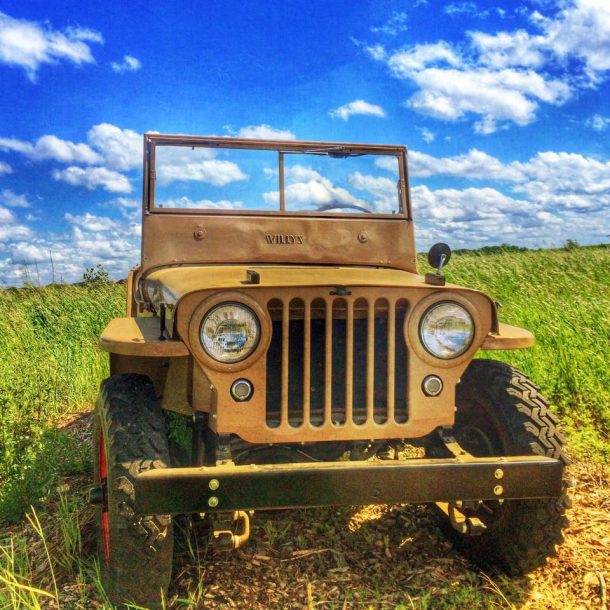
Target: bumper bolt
212,501
499,473
214,484
498,490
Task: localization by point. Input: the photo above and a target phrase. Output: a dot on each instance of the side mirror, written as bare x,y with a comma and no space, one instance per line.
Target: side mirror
438,256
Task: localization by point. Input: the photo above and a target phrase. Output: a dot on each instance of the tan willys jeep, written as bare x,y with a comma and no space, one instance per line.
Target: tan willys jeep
278,306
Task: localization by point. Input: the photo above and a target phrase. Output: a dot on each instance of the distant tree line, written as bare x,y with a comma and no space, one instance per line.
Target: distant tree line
492,249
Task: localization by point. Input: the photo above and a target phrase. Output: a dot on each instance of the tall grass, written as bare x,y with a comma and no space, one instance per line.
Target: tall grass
49,367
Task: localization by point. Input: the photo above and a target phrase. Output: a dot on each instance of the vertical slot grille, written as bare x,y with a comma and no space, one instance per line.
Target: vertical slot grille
382,397
400,365
336,361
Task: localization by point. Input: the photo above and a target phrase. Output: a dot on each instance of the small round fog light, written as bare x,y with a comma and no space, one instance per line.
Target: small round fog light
432,385
241,390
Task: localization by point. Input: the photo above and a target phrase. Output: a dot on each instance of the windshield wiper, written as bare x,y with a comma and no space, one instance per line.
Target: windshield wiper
336,152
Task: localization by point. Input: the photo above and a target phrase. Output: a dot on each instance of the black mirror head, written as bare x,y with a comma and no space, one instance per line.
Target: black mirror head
436,253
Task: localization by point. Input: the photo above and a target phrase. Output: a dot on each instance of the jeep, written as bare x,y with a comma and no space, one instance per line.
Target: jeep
278,308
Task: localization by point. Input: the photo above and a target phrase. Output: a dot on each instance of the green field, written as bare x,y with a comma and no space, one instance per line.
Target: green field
51,369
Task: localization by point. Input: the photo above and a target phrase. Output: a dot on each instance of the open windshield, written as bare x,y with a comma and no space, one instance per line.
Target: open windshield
290,178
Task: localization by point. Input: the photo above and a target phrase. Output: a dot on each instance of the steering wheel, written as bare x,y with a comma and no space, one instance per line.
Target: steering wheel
337,204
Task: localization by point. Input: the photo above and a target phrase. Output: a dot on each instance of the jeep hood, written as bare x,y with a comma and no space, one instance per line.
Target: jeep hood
170,284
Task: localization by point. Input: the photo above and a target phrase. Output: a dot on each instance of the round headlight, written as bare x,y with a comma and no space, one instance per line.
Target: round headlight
230,332
446,330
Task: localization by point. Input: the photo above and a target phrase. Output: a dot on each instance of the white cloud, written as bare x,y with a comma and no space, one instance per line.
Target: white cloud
427,135
72,257
109,149
470,204
127,206
552,197
464,8
475,164
306,189
565,180
546,175
92,177
109,145
129,64
90,222
502,78
503,95
28,44
121,149
582,30
125,202
505,49
14,145
357,107
6,216
13,200
384,192
406,63
186,202
92,239
213,171
476,217
27,254
394,25
5,168
265,132
376,51
10,231
388,163
598,122
53,148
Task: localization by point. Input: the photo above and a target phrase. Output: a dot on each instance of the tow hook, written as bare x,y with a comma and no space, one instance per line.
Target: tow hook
469,526
231,539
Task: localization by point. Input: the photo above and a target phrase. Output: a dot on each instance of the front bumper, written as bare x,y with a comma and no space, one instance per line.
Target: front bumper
276,486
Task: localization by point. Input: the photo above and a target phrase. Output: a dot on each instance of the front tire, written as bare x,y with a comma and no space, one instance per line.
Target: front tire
501,412
134,551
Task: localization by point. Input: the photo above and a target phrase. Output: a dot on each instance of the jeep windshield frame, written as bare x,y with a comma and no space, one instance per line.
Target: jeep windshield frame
284,150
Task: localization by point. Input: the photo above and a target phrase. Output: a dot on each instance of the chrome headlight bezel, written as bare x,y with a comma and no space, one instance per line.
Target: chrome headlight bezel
194,330
468,339
250,339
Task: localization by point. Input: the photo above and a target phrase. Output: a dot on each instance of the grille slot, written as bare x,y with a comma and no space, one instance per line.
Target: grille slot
339,362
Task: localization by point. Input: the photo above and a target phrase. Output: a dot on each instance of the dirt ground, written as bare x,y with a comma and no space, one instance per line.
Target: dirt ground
374,557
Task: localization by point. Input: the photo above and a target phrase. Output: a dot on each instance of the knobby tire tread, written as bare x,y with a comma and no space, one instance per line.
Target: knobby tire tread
531,530
136,441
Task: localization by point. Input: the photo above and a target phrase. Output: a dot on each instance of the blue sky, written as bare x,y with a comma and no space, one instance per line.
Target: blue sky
503,106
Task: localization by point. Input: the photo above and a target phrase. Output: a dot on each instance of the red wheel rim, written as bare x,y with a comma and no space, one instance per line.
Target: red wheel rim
103,470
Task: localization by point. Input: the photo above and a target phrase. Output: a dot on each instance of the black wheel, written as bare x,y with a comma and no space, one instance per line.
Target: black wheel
129,437
501,412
